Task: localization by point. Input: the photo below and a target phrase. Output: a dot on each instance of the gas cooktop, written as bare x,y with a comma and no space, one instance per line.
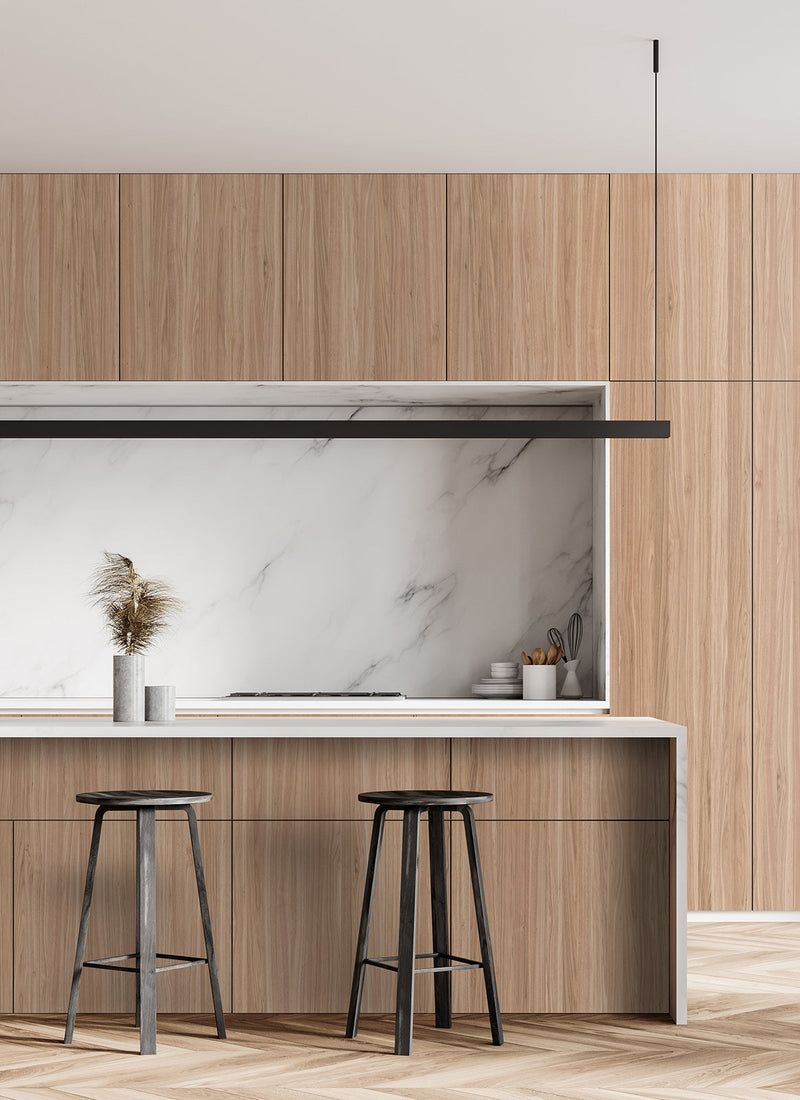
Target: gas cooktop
316,695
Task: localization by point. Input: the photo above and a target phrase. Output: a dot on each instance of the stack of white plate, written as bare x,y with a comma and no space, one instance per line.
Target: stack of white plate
504,683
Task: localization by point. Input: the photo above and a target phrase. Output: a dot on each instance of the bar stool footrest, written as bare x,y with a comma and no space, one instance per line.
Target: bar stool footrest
383,962
109,963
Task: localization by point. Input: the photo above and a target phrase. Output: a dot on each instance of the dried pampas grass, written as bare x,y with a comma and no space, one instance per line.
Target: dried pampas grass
136,611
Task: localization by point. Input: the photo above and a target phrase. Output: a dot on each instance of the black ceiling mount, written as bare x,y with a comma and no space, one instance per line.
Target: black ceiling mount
334,429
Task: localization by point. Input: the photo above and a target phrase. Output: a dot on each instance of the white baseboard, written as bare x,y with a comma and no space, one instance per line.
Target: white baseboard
746,917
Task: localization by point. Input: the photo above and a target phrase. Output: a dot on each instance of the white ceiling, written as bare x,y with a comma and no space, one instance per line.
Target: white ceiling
397,85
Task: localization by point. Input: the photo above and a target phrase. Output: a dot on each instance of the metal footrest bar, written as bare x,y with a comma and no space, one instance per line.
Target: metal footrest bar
383,962
108,964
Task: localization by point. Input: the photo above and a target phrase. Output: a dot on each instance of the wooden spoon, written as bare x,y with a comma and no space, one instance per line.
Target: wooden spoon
552,655
526,659
539,656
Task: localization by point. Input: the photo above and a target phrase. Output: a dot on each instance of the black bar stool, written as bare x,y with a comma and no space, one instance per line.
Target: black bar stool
413,804
145,803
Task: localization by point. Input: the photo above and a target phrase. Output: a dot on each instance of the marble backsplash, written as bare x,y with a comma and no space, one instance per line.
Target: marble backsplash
304,564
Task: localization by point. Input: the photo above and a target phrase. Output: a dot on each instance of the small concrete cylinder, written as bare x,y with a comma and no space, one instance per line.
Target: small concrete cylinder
129,687
159,703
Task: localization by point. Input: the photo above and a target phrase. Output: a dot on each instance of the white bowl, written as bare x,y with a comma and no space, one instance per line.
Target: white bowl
505,670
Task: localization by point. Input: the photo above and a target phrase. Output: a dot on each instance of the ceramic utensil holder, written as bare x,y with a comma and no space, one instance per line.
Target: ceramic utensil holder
159,703
538,681
129,687
571,688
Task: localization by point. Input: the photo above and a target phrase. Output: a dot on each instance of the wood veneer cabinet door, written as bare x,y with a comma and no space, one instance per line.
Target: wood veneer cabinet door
527,277
632,264
59,307
6,916
564,779
704,278
200,277
298,888
304,777
776,277
776,608
681,608
364,277
578,911
49,872
40,777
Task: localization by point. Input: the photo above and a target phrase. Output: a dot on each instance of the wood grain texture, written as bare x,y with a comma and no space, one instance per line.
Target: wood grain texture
561,952
59,307
322,777
632,277
741,1041
50,868
536,779
6,916
681,609
298,888
776,277
200,277
527,277
365,277
40,777
776,603
704,277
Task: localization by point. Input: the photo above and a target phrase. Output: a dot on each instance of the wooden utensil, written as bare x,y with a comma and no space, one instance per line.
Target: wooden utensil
538,656
553,655
526,660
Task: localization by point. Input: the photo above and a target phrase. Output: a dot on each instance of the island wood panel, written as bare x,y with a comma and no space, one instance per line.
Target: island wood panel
632,277
49,874
579,915
6,916
40,777
200,277
306,777
776,614
776,277
364,277
527,277
564,778
704,277
298,887
681,609
59,306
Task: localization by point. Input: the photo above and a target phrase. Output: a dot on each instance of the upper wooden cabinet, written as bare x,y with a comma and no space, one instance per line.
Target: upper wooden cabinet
527,277
776,277
200,277
704,276
633,267
59,308
364,277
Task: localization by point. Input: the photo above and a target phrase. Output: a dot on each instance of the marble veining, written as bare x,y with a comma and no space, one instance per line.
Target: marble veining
304,564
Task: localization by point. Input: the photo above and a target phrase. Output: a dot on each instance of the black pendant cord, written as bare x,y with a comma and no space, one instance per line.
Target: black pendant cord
655,228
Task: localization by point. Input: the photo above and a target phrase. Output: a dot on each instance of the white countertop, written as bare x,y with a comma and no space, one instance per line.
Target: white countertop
401,708
340,724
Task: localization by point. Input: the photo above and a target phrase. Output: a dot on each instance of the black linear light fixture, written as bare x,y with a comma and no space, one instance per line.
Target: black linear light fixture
369,429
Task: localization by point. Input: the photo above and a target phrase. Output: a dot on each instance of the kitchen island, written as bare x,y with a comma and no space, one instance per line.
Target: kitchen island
583,848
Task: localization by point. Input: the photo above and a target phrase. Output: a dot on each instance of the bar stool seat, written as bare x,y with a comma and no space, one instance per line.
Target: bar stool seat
144,958
442,963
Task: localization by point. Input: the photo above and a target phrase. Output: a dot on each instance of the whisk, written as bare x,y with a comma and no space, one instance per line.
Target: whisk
555,637
574,635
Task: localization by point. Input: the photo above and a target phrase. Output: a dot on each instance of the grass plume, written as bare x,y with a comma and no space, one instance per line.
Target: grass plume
137,611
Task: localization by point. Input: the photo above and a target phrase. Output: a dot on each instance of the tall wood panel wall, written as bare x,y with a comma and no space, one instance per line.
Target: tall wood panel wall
505,277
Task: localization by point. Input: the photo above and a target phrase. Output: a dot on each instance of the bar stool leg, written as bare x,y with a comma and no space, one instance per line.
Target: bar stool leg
83,927
441,982
205,916
146,926
404,1015
362,946
483,925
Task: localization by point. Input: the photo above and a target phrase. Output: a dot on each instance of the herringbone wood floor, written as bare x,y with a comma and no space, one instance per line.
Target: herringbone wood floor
742,1042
